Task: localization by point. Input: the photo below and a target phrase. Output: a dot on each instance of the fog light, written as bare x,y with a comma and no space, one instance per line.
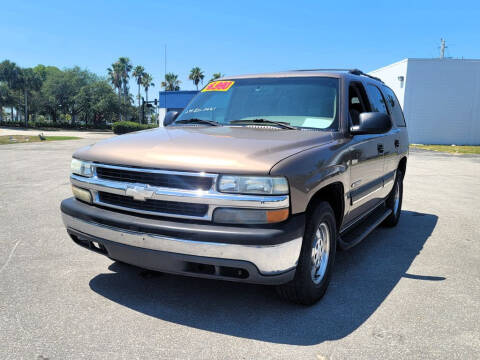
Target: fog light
249,216
82,194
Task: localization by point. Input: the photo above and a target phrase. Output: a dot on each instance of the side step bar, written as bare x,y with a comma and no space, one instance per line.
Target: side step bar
355,236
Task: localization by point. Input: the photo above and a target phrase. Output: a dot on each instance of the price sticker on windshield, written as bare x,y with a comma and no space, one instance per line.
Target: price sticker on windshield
218,86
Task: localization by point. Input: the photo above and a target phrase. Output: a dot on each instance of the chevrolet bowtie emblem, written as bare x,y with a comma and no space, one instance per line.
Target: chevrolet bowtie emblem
140,193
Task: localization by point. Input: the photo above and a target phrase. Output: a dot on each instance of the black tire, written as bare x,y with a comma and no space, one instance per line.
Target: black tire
393,218
303,289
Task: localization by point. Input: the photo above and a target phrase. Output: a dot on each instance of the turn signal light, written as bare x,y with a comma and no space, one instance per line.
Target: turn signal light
274,216
249,216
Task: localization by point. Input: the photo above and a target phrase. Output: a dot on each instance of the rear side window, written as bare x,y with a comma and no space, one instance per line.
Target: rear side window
394,107
376,99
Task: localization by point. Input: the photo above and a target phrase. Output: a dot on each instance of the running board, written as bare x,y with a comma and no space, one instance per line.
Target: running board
356,235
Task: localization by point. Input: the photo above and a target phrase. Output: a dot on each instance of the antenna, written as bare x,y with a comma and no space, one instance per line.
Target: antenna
442,48
165,79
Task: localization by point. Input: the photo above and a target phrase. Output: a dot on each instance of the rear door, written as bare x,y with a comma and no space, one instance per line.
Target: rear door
397,141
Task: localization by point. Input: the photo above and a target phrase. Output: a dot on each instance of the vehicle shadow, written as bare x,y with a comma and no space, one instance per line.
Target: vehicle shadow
363,278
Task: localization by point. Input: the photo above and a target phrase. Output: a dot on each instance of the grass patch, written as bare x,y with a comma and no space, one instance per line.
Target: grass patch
17,139
452,149
55,138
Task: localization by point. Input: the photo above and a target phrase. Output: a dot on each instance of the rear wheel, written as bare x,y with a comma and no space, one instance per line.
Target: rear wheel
316,259
394,201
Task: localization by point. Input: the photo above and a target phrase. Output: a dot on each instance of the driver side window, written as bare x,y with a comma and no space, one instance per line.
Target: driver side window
357,103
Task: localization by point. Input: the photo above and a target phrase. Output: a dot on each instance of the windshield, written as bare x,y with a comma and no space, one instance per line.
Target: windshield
305,102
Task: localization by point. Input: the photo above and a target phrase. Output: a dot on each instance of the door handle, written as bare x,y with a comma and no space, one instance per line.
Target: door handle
397,143
380,148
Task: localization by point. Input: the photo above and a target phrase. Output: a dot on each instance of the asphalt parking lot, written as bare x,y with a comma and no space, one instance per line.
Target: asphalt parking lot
408,292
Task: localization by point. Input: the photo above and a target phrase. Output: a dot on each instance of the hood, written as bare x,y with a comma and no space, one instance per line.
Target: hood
222,149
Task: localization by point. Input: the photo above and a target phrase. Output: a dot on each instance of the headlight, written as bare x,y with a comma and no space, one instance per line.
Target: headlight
82,168
261,185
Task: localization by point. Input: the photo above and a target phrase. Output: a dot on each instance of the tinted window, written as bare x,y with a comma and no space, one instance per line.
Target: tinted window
376,99
357,102
394,107
307,102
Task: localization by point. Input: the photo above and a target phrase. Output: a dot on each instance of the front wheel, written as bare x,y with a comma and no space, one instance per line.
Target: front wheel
394,201
316,259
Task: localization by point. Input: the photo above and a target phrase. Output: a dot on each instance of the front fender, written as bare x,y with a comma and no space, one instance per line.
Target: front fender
313,169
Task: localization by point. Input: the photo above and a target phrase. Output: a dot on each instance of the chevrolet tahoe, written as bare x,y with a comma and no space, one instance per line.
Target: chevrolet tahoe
260,179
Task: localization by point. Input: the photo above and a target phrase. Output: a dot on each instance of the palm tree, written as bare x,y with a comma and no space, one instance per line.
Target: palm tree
216,76
115,78
138,74
126,67
171,82
147,82
196,75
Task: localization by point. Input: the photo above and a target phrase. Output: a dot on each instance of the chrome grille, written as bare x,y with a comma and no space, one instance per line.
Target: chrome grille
166,180
176,194
157,206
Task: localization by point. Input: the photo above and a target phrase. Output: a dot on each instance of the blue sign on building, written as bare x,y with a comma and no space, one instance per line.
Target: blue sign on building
175,100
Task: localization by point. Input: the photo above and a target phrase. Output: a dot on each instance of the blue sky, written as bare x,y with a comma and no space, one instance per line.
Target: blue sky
234,37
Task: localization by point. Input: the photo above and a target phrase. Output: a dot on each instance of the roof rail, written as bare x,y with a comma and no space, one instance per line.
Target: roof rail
360,72
351,71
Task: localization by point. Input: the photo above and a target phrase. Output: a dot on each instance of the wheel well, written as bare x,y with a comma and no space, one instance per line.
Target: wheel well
333,194
402,165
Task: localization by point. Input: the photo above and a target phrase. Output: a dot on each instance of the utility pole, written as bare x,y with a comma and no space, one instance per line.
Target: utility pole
442,48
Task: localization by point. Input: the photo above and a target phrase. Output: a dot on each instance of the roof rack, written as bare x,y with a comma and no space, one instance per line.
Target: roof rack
350,71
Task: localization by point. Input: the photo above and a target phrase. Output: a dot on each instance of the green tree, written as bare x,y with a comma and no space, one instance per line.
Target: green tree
98,103
9,74
171,82
50,97
216,76
115,77
126,68
147,82
138,74
20,83
27,82
196,75
61,90
73,81
5,98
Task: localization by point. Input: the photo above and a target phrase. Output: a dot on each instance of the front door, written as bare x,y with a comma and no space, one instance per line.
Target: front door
366,159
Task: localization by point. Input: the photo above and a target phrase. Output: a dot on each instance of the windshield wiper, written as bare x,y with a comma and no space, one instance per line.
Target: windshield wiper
196,120
282,124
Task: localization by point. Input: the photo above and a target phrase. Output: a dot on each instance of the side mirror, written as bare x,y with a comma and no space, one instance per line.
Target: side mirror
372,123
170,117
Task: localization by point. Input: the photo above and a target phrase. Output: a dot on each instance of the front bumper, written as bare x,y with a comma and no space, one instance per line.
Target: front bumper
265,255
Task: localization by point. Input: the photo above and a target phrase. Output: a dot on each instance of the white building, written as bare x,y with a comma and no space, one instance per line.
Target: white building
440,98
